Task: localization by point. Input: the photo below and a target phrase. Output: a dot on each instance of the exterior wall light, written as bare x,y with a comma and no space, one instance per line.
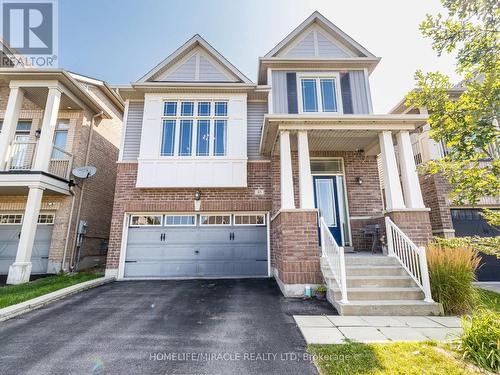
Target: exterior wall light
197,195
359,180
38,132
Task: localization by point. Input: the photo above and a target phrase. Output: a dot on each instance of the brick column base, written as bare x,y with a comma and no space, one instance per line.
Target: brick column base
415,224
295,251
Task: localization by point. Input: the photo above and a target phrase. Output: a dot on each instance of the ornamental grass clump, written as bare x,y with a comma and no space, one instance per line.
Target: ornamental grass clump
451,273
480,342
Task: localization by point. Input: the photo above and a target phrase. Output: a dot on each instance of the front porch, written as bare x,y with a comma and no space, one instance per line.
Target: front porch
351,174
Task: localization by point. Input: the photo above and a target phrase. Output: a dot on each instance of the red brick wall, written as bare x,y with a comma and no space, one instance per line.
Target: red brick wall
129,199
295,254
415,224
435,190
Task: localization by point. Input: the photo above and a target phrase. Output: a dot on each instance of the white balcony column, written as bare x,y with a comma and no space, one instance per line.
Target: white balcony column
49,122
11,117
392,185
20,270
287,198
409,178
305,176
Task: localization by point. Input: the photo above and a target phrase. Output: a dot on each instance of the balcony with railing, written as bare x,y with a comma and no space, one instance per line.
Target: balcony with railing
21,157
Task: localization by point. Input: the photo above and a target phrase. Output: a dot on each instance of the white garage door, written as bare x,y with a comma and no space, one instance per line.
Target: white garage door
10,230
221,245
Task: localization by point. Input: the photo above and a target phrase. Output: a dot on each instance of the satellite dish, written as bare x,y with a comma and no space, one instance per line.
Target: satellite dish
84,172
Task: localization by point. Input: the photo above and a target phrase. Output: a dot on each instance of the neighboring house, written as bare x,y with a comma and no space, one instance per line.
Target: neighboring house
222,177
53,121
447,218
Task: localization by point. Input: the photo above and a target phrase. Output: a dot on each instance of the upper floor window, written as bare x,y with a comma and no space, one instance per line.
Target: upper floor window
319,94
194,128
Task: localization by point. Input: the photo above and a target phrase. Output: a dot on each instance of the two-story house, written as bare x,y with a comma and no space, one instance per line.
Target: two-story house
222,177
51,122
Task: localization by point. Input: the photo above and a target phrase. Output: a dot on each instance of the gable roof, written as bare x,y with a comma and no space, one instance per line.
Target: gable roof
195,42
329,27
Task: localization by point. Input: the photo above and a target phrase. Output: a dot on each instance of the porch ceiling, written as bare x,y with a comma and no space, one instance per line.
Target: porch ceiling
335,133
38,95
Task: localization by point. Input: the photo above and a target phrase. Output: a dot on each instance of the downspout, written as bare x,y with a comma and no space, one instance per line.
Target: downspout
87,156
69,229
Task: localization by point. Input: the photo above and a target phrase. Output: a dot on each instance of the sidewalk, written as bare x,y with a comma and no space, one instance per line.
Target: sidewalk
493,286
329,329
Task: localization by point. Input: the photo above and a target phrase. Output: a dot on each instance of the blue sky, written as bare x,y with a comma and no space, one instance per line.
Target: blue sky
120,40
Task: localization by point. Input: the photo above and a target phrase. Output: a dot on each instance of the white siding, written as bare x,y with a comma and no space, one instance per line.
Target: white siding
326,48
185,72
210,73
132,136
359,93
305,48
279,92
255,115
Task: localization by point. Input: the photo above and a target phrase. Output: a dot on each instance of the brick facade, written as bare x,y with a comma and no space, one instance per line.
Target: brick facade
415,224
97,201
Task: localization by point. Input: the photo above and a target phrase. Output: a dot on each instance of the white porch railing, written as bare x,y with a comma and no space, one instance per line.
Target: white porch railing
334,254
60,163
22,155
411,257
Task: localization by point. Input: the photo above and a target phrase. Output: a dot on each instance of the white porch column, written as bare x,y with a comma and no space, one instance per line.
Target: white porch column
287,199
44,147
392,186
305,178
409,178
20,270
11,117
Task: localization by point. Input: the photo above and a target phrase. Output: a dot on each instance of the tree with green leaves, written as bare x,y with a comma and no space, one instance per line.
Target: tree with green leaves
467,122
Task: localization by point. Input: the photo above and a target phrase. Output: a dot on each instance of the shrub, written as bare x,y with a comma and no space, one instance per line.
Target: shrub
451,273
486,245
480,342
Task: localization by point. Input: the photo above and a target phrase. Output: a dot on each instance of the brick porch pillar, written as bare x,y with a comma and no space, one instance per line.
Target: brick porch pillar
416,224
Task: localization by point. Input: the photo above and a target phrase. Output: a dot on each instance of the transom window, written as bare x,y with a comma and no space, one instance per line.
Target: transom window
319,94
46,219
11,219
145,220
178,220
249,219
194,128
215,219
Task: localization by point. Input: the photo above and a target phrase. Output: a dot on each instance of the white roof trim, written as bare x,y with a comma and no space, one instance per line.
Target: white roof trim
195,40
329,26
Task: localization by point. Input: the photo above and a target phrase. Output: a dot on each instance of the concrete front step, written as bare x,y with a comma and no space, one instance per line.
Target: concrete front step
385,308
380,281
369,260
380,294
375,270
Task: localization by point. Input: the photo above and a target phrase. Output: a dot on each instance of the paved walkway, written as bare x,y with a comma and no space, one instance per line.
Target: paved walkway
494,286
328,329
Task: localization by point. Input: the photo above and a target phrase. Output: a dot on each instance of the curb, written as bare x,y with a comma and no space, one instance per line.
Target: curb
38,302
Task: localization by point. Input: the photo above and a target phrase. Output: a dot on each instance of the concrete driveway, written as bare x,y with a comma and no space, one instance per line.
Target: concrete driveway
163,327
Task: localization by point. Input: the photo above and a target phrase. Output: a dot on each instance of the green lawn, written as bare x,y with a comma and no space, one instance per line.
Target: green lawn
388,359
490,300
12,294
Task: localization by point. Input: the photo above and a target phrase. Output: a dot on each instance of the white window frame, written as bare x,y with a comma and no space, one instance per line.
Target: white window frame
194,141
49,215
12,214
146,225
216,225
318,76
250,225
179,225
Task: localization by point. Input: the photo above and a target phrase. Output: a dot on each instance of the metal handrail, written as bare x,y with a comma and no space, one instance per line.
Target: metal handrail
334,255
60,162
21,155
410,256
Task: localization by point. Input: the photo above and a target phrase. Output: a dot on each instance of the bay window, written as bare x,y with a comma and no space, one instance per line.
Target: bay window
194,128
319,94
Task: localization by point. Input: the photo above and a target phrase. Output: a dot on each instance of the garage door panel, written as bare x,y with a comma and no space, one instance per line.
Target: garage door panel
196,251
9,240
